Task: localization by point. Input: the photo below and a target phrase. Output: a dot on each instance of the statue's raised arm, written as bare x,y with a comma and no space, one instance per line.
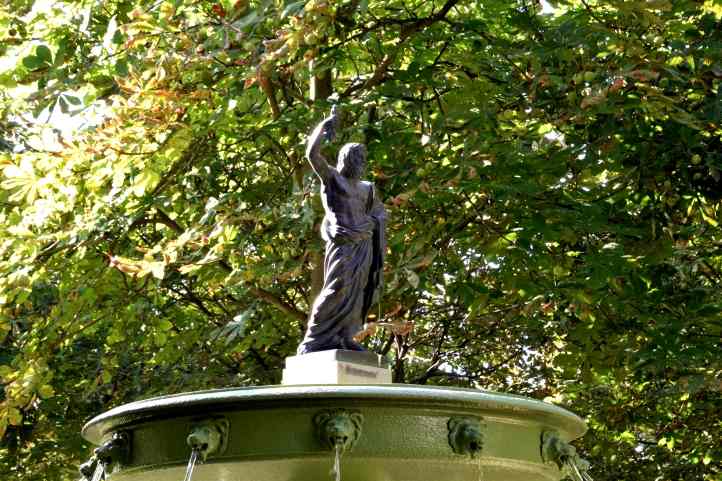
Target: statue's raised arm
325,129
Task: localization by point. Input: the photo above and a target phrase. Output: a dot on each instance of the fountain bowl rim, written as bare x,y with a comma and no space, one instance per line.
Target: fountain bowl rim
415,396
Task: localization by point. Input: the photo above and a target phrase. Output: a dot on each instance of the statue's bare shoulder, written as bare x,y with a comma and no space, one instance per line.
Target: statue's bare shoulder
368,187
336,180
333,180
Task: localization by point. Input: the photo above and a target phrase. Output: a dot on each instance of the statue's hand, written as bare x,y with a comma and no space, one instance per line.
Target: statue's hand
329,128
330,124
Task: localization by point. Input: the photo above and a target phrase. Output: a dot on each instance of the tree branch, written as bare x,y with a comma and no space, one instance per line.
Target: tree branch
408,28
269,297
274,300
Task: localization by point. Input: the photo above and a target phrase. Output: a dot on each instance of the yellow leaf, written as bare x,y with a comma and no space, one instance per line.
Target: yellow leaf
413,278
157,269
188,268
4,331
709,220
7,373
592,100
15,417
145,181
46,391
21,178
713,7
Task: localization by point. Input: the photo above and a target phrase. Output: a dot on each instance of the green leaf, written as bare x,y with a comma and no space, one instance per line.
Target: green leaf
72,99
160,339
121,67
64,107
165,325
43,54
32,62
248,20
293,8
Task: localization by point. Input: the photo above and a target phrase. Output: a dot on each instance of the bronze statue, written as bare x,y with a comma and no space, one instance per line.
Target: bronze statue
353,228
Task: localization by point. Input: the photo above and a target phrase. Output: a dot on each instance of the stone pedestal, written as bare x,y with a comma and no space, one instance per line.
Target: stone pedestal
336,367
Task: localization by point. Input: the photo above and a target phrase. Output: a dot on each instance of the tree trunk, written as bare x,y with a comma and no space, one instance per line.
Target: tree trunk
321,86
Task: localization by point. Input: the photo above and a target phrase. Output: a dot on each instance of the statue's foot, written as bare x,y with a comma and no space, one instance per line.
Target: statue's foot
351,345
336,342
313,345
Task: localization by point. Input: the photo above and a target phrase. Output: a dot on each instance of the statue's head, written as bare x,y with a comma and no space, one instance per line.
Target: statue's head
352,161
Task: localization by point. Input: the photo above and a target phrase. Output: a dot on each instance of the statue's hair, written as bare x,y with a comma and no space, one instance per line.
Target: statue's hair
352,160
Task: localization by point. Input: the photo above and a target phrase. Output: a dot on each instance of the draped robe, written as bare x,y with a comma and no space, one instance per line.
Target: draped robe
353,268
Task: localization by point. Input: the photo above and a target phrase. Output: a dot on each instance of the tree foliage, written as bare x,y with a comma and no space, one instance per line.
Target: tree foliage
553,183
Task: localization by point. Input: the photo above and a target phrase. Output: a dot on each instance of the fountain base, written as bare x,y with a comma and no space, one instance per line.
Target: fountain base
390,432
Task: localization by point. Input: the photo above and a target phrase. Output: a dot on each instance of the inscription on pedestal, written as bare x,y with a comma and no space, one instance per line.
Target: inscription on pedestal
354,371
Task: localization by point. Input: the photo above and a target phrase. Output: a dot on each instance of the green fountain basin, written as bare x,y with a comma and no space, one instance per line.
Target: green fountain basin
272,434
